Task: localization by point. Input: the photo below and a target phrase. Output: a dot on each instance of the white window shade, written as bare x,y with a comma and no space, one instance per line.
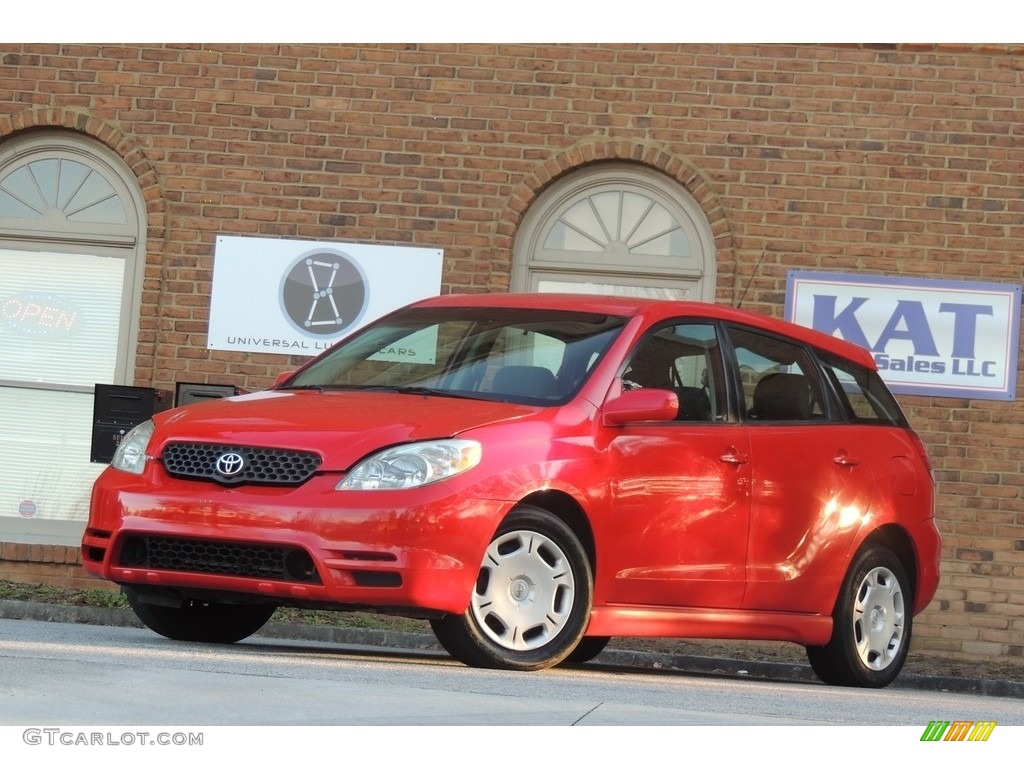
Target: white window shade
44,450
59,318
59,330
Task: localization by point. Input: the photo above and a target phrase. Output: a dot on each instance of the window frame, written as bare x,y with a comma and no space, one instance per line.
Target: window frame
690,276
721,403
52,233
819,391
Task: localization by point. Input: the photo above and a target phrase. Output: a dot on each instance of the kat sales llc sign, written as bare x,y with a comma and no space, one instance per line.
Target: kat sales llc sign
299,297
928,337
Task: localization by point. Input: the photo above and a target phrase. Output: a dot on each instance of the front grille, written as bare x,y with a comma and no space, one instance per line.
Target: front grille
266,466
228,558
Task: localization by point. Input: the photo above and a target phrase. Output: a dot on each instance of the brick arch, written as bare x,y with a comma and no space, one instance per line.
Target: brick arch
152,195
123,145
642,153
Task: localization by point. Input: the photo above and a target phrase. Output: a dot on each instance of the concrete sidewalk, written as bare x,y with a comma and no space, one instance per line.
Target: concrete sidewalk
352,636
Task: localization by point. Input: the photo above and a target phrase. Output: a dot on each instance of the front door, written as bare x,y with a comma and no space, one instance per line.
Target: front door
677,534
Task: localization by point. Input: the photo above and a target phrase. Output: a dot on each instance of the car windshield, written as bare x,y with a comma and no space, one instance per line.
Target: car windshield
526,356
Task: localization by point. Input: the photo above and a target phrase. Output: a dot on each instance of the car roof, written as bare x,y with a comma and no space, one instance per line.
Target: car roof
655,310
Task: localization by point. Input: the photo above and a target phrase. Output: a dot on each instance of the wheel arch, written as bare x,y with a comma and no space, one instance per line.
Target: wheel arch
534,613
568,510
897,540
872,619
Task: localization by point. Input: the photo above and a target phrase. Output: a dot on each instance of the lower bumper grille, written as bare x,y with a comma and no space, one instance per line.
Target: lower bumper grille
254,561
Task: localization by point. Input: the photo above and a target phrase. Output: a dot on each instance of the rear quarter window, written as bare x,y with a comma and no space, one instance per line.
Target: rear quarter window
862,393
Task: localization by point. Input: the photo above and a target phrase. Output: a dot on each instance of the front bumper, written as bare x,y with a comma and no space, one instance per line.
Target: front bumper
415,551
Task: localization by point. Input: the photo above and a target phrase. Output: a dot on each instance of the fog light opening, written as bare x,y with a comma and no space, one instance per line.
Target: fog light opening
135,552
299,565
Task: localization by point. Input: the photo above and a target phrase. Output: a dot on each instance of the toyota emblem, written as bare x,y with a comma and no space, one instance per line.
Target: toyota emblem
229,464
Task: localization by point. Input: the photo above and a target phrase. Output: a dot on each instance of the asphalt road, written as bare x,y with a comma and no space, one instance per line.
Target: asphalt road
69,674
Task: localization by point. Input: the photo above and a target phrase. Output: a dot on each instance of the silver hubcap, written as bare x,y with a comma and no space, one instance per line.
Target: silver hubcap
878,619
525,591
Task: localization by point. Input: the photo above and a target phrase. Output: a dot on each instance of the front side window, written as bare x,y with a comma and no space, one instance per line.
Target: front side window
525,356
683,358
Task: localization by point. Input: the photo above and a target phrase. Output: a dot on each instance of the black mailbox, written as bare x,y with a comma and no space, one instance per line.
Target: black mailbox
115,410
186,392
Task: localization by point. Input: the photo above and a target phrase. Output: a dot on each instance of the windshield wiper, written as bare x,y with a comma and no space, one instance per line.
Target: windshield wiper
417,390
411,389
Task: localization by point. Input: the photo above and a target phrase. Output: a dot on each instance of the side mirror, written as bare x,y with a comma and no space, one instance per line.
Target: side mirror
641,405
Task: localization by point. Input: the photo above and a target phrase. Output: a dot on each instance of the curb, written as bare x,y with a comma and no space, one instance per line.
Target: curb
376,638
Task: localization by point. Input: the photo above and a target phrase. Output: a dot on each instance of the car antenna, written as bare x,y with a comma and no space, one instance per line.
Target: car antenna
739,304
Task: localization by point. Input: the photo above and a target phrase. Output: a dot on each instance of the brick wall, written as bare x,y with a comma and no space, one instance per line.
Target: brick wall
48,564
882,159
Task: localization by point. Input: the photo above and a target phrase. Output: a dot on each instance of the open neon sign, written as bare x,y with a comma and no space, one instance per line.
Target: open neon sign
39,314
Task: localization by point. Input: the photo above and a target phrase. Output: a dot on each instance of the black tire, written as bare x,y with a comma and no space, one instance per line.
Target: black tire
532,598
872,624
197,621
586,650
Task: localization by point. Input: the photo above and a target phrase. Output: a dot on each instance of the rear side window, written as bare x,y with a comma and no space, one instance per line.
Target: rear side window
778,377
862,393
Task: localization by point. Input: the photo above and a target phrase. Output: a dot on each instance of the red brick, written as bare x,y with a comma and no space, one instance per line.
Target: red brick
896,159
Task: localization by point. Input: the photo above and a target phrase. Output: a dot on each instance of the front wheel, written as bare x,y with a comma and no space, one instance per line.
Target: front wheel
531,602
871,624
197,621
587,649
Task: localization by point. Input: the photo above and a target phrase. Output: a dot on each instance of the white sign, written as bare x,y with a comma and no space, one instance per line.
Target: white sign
299,297
928,337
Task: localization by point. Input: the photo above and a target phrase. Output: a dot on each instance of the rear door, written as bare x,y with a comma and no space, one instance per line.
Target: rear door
811,482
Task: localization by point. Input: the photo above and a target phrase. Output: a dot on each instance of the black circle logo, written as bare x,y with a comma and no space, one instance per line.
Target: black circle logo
323,293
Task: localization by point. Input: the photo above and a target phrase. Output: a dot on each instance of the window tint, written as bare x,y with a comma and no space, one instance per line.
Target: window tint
685,359
778,378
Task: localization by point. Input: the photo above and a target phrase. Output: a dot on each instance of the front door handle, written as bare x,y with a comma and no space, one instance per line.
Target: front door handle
732,456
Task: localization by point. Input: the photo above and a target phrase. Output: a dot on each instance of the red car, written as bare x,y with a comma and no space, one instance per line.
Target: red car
536,474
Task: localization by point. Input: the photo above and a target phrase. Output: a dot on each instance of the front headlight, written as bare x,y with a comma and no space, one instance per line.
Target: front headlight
410,466
130,455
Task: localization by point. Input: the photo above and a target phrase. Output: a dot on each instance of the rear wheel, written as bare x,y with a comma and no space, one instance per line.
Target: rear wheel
195,620
532,598
871,624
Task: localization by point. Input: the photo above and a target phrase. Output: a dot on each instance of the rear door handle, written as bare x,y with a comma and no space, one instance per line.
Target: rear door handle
843,459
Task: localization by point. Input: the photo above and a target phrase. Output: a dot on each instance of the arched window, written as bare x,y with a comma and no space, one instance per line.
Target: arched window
71,247
616,228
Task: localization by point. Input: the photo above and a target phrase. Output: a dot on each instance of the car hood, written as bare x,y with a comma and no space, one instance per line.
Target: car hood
342,426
